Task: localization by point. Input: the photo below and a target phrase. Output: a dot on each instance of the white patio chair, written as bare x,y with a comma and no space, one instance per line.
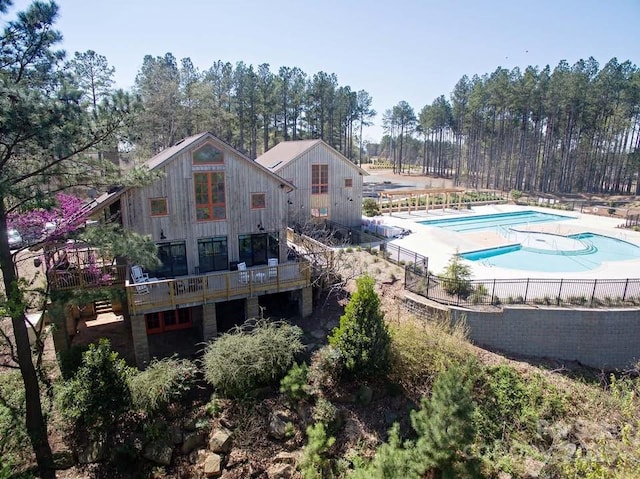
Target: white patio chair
140,276
273,267
243,274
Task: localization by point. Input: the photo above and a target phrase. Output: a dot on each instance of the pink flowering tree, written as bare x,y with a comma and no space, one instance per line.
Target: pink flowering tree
46,225
50,227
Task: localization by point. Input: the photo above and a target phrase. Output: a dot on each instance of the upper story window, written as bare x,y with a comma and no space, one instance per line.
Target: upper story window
209,196
319,212
258,201
206,155
319,179
159,207
348,182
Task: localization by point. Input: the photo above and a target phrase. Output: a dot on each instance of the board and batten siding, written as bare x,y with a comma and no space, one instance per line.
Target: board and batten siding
242,178
341,210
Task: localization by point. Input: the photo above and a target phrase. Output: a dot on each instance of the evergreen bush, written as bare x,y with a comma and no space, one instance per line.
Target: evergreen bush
98,393
254,355
326,412
327,365
445,435
456,278
314,463
370,207
294,384
362,337
71,360
14,441
164,382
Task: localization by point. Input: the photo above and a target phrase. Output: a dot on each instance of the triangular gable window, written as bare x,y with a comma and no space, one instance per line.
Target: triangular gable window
206,155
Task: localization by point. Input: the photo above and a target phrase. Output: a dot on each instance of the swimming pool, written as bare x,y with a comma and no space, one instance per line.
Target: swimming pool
597,249
496,221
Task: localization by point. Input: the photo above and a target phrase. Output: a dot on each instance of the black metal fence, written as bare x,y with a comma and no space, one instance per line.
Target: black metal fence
590,293
404,256
352,236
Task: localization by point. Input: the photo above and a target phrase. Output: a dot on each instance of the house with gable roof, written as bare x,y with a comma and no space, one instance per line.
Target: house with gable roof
219,221
327,185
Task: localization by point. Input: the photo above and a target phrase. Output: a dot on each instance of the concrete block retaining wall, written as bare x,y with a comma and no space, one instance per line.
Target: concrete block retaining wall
601,338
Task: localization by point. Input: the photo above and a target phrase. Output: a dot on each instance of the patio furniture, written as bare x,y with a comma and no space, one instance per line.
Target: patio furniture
243,274
142,288
140,276
273,267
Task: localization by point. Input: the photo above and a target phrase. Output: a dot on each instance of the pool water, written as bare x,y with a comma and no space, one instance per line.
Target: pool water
469,224
598,249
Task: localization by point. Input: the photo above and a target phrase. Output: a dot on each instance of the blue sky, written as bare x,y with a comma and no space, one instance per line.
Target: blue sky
402,50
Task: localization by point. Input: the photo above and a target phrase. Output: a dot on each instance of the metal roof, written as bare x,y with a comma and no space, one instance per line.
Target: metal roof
287,151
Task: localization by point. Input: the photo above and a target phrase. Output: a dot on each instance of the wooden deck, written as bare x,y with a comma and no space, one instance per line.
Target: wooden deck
81,278
187,291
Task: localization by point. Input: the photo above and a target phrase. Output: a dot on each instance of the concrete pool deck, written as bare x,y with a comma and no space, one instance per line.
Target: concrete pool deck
439,245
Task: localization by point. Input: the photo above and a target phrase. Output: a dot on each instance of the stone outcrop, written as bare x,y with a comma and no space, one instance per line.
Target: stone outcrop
159,452
212,465
278,424
220,441
192,441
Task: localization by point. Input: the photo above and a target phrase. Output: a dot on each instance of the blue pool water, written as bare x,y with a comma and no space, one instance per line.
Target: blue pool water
598,249
494,221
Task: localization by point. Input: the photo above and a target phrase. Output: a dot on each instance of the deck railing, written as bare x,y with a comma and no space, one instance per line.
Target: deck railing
224,285
88,277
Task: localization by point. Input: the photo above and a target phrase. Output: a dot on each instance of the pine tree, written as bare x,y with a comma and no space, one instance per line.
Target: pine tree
362,337
444,425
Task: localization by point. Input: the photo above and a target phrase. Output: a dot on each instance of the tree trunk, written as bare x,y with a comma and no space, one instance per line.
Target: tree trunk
35,423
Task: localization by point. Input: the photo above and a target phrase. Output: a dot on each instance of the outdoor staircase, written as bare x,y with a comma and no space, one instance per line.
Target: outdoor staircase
102,307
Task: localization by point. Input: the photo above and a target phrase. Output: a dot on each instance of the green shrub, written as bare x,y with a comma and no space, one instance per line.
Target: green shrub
314,463
256,354
156,430
98,393
325,370
294,384
164,382
445,434
479,293
325,412
392,460
370,207
71,360
515,195
421,350
362,337
509,404
456,278
214,407
444,425
14,441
